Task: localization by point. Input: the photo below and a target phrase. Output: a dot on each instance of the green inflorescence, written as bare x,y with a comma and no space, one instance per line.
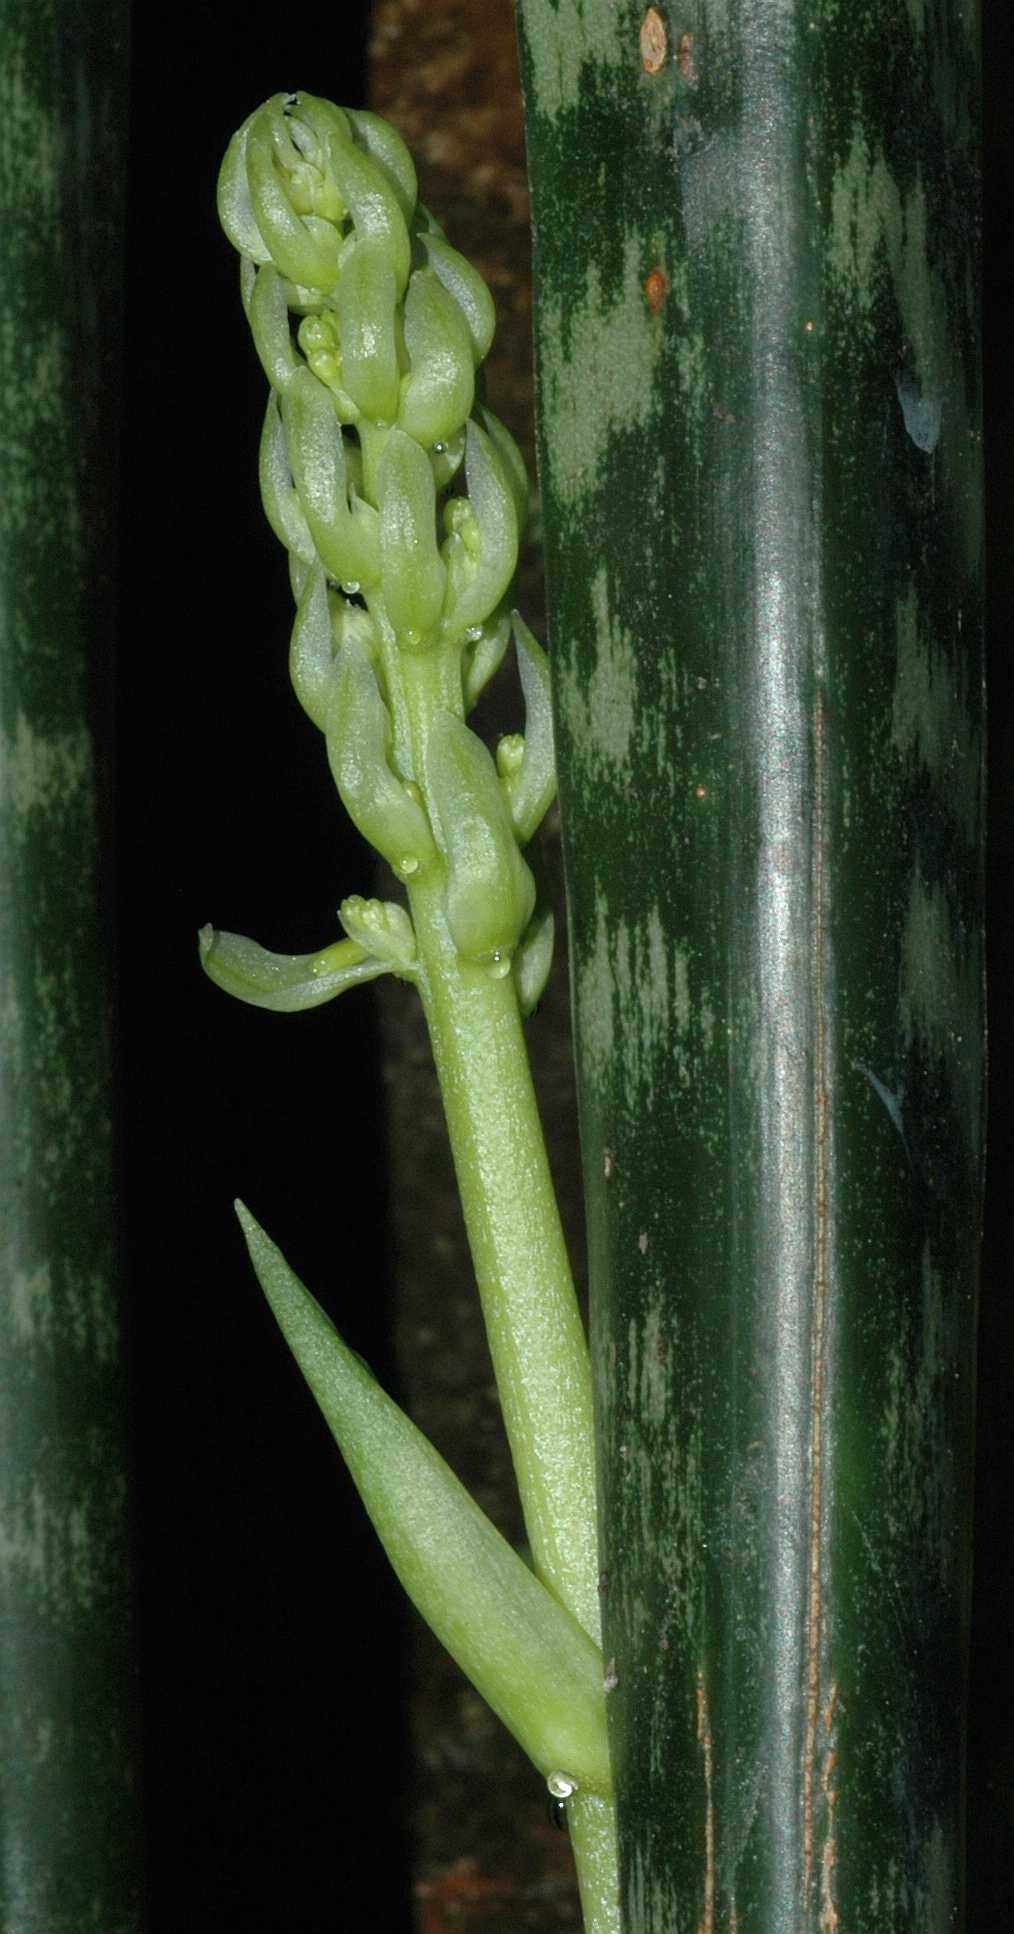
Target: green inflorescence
399,497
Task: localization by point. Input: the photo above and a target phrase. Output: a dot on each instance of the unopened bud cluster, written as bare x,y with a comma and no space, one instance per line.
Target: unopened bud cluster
399,498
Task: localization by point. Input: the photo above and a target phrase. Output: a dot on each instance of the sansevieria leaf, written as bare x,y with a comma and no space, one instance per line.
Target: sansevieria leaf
760,455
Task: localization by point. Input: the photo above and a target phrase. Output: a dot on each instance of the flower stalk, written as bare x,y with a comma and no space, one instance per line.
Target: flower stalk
399,498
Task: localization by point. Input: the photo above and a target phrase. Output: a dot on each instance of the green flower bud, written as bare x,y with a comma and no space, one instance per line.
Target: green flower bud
298,174
510,753
530,782
303,246
374,199
461,523
312,647
233,201
324,622
465,284
344,534
319,342
490,891
366,299
302,130
279,495
268,316
436,395
386,148
412,573
359,742
481,575
287,983
383,928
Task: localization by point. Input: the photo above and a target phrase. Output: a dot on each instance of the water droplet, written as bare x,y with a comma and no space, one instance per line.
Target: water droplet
408,866
351,587
499,965
473,633
440,448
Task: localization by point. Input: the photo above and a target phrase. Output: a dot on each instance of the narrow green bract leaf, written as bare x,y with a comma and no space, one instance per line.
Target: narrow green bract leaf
483,655
467,287
359,753
522,1650
491,502
512,461
285,982
534,957
312,647
344,534
532,789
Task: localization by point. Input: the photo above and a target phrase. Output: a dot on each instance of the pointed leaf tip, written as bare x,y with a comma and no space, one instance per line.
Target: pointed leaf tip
526,1655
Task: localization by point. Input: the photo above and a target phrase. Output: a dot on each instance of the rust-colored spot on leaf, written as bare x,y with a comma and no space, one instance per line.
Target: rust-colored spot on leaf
706,1924
685,58
656,288
828,1922
653,41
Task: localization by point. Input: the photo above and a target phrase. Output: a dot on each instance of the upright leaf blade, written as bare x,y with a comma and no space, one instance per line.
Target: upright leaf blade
759,454
69,1802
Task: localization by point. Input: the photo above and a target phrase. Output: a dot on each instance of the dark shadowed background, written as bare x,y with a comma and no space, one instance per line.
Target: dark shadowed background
282,1680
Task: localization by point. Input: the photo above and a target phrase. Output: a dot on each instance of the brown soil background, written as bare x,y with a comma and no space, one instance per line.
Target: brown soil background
484,1851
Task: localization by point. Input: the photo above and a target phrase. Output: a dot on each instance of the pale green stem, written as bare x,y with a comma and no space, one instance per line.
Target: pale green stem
592,1824
523,1273
536,1339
